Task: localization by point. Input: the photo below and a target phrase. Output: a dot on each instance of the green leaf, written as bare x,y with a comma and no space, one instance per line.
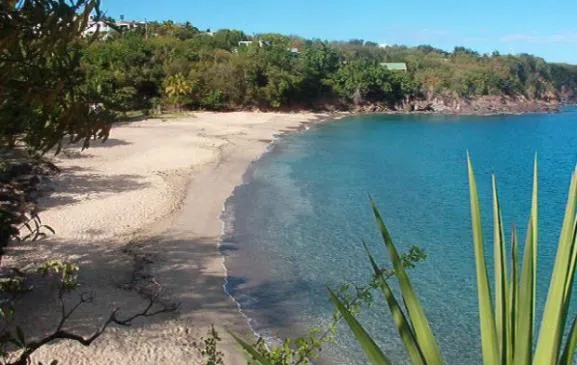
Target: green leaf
558,297
501,285
526,299
373,352
534,217
415,312
403,326
489,341
513,296
251,351
568,357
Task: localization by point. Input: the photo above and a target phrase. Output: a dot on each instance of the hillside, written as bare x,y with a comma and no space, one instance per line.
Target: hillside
178,66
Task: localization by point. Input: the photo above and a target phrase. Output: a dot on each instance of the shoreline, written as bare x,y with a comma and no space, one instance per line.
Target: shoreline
183,170
270,143
467,108
172,179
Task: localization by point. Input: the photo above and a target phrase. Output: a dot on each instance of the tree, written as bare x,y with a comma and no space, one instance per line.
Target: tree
43,94
125,72
177,88
228,39
363,81
278,71
319,62
45,98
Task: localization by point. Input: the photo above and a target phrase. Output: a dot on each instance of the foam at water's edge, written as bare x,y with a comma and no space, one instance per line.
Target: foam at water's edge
227,222
225,269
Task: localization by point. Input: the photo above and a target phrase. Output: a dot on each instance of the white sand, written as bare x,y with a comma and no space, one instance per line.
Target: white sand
154,191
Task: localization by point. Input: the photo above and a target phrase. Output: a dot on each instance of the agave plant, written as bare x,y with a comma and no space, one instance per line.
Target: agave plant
507,321
507,316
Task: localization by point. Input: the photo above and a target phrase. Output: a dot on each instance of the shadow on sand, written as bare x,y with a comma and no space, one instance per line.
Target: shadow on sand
75,183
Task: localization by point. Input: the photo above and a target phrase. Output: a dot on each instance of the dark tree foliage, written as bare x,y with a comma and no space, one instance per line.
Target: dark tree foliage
46,96
43,94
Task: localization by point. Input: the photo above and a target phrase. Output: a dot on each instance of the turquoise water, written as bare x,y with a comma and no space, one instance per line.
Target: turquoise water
296,225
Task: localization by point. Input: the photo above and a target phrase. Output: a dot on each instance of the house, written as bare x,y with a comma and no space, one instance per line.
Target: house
128,25
99,26
248,43
107,28
395,66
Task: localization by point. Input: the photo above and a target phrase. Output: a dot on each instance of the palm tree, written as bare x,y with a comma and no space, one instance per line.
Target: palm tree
176,88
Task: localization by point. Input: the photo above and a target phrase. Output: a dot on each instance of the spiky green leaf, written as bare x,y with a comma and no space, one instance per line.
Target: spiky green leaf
415,311
256,356
501,285
403,326
373,352
489,341
568,357
558,297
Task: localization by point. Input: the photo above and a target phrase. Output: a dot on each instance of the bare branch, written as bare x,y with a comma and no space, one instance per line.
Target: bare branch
60,334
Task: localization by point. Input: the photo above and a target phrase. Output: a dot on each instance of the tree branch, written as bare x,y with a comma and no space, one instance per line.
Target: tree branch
60,334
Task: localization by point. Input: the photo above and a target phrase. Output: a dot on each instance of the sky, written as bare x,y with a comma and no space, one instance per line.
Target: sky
546,28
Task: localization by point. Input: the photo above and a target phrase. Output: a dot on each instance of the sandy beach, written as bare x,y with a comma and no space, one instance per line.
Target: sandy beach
142,212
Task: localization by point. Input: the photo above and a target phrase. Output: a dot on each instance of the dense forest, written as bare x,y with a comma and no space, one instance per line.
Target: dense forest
177,65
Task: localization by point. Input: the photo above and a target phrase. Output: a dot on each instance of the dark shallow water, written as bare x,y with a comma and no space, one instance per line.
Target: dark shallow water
297,223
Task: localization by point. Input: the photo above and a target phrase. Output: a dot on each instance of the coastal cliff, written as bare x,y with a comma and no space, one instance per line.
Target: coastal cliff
481,105
487,104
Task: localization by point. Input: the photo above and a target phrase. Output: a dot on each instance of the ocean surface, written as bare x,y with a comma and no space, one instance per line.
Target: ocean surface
296,226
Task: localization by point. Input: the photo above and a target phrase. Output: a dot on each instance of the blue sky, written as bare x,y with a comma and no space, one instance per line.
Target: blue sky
544,28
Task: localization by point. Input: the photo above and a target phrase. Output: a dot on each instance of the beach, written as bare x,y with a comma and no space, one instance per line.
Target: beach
140,214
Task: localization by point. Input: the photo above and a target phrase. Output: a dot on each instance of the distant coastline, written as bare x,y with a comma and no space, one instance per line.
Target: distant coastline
481,106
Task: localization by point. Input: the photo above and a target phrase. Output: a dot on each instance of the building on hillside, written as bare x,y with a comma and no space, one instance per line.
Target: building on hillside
106,28
129,25
261,43
395,66
99,26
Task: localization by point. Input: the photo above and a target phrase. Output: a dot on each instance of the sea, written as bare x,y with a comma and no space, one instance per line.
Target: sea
295,227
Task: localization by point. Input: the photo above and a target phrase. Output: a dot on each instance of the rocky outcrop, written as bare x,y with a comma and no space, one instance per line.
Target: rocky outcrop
489,104
568,95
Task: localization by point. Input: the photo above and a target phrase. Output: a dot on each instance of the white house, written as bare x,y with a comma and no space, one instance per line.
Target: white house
106,28
126,25
248,43
98,26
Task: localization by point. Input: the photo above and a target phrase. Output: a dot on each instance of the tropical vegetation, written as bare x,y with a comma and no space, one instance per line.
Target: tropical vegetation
46,101
229,69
